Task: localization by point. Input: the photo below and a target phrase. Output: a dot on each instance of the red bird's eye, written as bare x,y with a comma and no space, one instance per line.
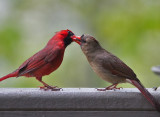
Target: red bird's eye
70,33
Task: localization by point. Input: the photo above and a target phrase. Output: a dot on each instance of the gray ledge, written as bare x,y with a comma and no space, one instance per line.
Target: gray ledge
75,100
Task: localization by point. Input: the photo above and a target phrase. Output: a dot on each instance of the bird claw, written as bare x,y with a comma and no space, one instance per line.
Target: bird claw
102,89
109,88
46,88
114,88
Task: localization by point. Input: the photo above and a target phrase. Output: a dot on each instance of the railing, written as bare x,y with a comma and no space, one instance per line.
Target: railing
75,102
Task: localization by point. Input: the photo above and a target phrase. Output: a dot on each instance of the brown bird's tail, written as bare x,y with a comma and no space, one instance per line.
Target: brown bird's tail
146,94
13,74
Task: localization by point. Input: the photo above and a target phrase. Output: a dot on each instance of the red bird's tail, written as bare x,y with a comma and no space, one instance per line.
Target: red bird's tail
146,94
13,74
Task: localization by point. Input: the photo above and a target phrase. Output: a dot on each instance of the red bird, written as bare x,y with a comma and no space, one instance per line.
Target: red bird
46,60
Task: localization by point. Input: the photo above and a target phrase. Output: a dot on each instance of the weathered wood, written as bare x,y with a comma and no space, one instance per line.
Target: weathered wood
82,102
79,114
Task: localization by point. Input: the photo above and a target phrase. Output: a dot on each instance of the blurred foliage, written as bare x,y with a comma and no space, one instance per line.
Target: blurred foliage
7,41
129,29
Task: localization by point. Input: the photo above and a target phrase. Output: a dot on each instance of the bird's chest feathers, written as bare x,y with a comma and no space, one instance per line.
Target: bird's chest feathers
58,59
98,68
103,73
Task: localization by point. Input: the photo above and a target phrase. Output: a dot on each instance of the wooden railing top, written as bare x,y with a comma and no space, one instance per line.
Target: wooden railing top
75,100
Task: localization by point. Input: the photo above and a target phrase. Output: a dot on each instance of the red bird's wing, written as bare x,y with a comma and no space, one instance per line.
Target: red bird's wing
38,60
118,68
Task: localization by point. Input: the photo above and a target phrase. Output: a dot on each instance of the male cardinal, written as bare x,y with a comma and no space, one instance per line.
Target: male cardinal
110,68
46,60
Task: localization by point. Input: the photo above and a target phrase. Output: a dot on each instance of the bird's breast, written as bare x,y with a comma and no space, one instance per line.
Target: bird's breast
49,67
106,74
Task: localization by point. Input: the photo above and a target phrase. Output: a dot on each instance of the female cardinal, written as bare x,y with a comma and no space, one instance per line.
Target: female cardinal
110,68
46,60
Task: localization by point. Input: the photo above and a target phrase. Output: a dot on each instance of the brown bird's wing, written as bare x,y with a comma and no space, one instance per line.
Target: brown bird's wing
38,60
118,67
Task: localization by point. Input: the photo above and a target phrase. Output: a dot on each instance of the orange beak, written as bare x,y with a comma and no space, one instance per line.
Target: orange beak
76,39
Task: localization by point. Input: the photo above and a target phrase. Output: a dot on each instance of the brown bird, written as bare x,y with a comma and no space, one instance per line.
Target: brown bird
110,68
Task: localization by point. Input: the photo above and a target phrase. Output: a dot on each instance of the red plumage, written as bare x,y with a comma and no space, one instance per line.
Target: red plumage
46,60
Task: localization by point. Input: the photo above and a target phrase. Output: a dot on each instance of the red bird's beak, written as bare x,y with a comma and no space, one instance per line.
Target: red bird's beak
76,39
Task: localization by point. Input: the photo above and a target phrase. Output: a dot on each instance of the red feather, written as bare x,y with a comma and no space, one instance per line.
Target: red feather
46,60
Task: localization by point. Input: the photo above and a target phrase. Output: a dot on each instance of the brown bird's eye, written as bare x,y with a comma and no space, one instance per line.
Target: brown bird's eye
83,39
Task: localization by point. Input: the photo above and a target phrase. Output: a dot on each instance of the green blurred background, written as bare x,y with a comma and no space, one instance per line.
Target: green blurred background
128,28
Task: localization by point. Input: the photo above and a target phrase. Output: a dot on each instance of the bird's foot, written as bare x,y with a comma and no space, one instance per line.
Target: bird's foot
110,88
104,89
117,88
114,88
55,88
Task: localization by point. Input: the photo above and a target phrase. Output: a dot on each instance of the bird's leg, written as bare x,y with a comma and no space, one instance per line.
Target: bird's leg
114,87
111,87
107,88
46,86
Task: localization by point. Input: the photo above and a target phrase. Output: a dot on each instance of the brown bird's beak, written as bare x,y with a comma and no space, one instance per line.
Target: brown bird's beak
76,39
